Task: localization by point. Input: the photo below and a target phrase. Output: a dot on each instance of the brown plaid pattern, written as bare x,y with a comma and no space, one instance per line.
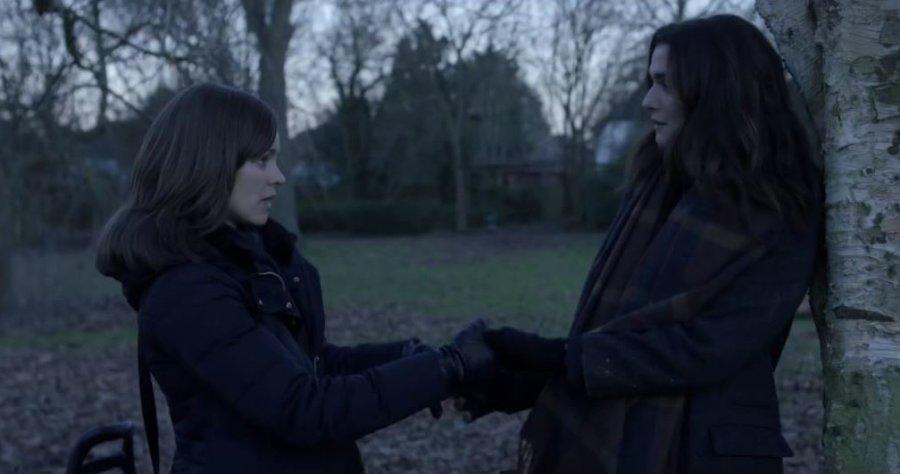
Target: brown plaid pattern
669,251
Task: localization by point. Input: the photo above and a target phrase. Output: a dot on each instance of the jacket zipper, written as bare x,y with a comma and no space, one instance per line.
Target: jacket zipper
316,358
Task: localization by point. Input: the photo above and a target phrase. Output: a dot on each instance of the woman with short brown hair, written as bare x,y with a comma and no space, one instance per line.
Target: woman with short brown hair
231,320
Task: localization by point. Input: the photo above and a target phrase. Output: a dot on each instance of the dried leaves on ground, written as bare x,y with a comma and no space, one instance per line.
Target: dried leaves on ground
69,365
48,397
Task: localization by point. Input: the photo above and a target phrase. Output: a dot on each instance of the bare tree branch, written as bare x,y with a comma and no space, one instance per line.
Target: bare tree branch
123,39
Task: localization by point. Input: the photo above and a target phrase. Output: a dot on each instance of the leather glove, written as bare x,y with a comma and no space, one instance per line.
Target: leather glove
508,392
468,360
526,351
413,347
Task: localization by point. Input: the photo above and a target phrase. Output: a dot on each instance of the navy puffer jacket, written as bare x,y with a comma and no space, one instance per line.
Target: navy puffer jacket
236,344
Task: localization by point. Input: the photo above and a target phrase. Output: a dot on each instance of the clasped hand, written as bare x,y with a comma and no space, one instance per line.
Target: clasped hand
495,369
523,365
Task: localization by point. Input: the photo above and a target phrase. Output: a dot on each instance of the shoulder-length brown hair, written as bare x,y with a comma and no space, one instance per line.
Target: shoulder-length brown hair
182,178
741,135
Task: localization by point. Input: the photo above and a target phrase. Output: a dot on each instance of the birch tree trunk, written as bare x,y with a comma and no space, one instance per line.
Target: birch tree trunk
845,56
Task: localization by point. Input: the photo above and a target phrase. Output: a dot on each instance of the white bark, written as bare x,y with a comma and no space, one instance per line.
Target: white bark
846,57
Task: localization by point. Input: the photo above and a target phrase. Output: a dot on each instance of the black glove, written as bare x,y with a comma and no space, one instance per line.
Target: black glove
525,351
468,360
508,391
413,347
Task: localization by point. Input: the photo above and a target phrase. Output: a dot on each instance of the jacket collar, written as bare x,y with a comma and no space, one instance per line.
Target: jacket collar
277,241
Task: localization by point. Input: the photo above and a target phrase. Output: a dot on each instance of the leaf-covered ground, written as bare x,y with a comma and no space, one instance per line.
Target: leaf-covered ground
76,370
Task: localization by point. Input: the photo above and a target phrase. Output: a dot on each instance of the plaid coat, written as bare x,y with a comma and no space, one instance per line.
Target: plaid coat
680,326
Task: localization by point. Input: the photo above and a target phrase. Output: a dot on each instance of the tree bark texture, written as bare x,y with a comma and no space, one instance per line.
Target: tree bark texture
460,185
454,99
845,56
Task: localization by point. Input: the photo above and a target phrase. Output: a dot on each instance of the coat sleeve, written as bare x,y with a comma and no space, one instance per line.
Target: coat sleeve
358,358
742,322
198,317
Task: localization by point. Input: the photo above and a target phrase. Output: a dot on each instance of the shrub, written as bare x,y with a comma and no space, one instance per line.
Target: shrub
521,206
478,217
518,205
369,217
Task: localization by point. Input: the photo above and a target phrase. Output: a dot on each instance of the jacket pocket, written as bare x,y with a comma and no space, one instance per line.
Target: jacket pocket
748,440
270,294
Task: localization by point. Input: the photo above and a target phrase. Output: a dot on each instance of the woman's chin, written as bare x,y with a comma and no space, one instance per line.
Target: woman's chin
257,220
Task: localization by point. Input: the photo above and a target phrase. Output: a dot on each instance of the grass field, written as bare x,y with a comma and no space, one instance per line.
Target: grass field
67,346
532,280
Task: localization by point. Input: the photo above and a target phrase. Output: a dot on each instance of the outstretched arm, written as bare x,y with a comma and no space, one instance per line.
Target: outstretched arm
199,319
358,358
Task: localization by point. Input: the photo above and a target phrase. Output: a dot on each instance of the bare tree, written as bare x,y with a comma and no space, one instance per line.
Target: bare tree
34,82
583,67
110,37
843,55
196,38
5,247
465,27
357,50
271,24
211,36
652,14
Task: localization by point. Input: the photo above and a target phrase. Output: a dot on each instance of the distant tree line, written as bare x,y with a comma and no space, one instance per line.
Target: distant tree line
399,147
391,109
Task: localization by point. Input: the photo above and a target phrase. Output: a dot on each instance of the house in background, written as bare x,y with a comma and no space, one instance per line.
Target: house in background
541,168
615,140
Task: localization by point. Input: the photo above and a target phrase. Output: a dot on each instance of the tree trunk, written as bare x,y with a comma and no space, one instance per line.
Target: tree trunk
569,178
100,71
845,55
5,275
356,129
270,23
459,176
6,241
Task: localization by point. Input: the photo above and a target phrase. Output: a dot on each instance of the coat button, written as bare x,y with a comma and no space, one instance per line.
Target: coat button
296,279
289,305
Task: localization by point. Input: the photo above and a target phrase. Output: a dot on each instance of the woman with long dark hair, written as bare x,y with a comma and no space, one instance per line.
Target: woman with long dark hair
231,321
669,363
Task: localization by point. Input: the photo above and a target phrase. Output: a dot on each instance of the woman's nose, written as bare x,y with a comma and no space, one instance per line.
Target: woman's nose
278,177
648,102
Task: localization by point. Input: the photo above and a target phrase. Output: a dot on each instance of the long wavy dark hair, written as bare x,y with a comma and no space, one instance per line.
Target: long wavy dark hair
741,135
182,178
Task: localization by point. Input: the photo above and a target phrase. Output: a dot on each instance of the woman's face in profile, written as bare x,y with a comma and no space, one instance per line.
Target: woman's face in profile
662,102
255,186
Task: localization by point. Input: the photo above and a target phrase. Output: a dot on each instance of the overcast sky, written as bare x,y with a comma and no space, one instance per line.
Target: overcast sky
309,90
